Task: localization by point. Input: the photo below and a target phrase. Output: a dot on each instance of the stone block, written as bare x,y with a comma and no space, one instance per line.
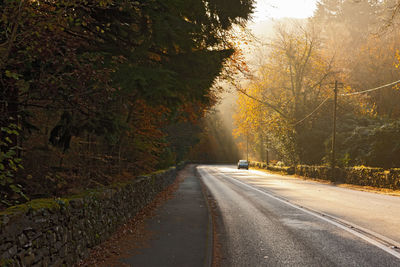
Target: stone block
62,251
5,246
51,237
56,262
12,251
28,259
46,261
58,245
22,240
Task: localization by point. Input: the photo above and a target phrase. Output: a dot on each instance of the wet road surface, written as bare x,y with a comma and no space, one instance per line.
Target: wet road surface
273,220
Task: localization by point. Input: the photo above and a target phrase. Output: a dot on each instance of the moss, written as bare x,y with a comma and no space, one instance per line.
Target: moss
6,262
161,171
86,193
119,185
36,204
49,204
14,210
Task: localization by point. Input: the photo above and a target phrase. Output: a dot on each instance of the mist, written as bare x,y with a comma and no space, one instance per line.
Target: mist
284,100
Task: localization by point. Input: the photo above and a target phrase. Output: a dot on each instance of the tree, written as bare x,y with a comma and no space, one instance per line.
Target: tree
215,142
293,83
353,32
101,80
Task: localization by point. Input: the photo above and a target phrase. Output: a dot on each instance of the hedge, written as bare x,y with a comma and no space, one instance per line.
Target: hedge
285,169
359,175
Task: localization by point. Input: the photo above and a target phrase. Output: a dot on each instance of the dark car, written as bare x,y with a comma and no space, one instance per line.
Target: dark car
243,164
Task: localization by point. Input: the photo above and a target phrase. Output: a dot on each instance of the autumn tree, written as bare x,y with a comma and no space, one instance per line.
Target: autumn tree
293,83
216,144
101,80
356,32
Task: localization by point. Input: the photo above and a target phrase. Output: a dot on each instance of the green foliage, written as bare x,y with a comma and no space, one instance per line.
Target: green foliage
372,142
7,262
358,175
10,163
215,142
101,81
167,159
182,136
299,74
279,167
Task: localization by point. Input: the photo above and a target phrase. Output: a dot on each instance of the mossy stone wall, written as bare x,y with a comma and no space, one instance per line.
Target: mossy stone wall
359,175
285,169
60,232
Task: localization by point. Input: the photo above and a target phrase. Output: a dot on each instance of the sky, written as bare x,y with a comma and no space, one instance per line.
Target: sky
268,9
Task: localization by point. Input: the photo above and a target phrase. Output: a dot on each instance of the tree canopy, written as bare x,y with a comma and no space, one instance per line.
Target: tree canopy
286,107
91,87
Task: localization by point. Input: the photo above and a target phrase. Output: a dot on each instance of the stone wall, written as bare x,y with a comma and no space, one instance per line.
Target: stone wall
284,169
57,232
359,175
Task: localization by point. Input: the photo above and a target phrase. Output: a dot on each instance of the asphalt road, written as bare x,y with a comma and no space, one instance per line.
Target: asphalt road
273,220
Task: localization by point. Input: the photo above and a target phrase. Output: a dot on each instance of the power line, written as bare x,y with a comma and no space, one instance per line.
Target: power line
326,99
370,90
309,115
279,112
262,102
349,94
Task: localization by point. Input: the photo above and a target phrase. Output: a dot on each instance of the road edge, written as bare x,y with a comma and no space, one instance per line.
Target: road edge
218,230
210,227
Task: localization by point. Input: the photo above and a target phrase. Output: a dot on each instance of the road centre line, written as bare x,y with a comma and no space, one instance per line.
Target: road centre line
351,228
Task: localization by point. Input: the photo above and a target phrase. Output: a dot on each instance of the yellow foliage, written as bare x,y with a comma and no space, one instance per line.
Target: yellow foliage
295,79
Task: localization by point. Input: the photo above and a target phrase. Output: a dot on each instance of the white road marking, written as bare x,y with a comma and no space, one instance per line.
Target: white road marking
387,249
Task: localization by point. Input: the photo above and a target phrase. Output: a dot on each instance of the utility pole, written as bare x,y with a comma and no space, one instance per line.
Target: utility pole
266,149
333,163
247,145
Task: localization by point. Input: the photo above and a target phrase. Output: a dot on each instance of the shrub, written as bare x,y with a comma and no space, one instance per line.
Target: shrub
10,163
358,175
